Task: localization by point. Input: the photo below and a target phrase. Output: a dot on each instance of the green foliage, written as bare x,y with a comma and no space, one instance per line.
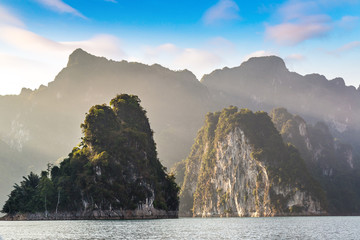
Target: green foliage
24,196
115,166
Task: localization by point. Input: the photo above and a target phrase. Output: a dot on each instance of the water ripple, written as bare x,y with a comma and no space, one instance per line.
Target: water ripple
188,228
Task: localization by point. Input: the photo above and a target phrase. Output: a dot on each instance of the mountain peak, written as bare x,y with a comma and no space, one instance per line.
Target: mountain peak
338,81
267,63
79,56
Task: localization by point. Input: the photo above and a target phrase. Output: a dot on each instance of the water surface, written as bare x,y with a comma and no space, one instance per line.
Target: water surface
188,228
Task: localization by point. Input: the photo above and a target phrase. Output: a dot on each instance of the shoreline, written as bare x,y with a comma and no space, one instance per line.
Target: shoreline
93,215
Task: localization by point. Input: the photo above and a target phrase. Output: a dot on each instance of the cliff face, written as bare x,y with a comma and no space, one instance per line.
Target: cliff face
234,171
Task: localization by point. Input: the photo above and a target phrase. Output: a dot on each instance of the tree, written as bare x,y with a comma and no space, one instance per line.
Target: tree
46,191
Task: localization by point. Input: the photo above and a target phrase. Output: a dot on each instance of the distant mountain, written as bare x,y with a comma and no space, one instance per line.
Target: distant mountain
240,166
265,83
333,163
114,173
40,126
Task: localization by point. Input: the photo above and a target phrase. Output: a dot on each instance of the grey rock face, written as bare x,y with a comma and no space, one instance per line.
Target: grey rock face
241,183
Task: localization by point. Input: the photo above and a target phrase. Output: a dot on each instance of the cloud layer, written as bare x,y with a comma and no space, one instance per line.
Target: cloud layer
199,61
300,21
28,59
7,18
260,53
223,10
345,48
60,6
41,58
291,33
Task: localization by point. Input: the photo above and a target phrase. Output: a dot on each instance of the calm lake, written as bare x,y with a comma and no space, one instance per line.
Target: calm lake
188,228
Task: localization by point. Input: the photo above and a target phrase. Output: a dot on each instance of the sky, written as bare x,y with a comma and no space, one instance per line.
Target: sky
312,36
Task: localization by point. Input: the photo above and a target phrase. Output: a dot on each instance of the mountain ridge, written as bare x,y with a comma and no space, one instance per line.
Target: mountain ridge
40,122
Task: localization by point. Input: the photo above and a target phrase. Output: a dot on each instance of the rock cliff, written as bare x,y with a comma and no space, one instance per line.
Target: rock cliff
239,166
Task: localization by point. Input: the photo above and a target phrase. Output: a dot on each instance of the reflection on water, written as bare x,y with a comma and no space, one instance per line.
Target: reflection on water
188,228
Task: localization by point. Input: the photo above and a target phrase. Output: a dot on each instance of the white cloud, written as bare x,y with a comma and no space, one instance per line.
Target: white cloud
28,59
8,18
295,9
60,6
349,46
41,58
27,40
294,33
214,53
221,46
101,45
295,57
163,49
299,21
18,72
30,42
349,19
294,61
344,48
348,22
260,53
197,60
223,10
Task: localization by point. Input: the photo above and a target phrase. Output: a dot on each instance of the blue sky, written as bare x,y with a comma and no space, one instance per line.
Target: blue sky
36,36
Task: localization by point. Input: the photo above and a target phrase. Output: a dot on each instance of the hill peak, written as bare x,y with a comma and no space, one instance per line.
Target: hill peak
79,56
266,62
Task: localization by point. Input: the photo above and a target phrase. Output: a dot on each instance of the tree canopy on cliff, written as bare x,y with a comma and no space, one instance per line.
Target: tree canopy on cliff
114,167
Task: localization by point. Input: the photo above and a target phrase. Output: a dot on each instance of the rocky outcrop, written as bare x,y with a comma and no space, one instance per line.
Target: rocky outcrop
234,171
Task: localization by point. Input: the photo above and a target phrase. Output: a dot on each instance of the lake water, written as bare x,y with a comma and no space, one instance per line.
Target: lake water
188,228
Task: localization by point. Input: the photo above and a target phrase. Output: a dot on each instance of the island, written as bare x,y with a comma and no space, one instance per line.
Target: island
114,173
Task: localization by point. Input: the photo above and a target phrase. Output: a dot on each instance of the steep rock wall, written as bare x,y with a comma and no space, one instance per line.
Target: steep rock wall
233,178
